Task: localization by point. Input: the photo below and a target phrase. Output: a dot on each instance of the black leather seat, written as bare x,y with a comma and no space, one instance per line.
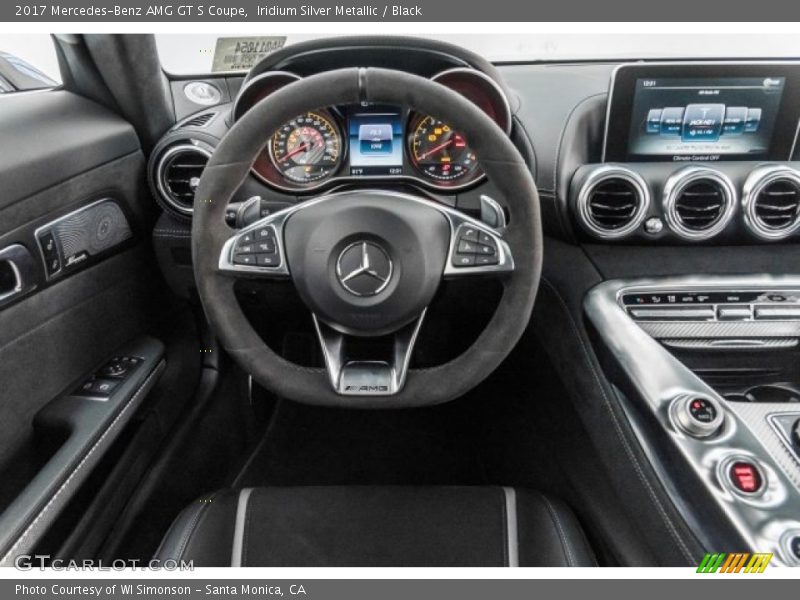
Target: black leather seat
377,526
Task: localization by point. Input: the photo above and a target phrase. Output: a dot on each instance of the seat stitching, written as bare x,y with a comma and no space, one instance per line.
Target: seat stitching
190,531
618,430
564,539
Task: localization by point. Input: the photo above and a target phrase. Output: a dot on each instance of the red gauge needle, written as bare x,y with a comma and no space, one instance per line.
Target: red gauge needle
301,148
436,149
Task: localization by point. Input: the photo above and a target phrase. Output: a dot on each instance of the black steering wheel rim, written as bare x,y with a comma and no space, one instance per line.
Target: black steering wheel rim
230,165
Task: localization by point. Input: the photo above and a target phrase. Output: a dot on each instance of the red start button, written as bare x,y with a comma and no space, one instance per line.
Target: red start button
746,477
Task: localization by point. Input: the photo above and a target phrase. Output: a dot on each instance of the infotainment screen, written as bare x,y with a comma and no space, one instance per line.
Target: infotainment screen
680,114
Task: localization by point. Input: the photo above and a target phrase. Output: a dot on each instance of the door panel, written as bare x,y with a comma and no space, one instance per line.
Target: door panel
67,153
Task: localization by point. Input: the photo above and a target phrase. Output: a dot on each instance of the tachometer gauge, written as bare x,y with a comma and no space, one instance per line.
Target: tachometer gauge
306,149
440,153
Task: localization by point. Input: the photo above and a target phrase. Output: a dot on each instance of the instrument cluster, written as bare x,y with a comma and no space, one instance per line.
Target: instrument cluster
369,141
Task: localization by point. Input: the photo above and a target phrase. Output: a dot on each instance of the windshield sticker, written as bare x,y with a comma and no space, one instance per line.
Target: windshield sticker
241,53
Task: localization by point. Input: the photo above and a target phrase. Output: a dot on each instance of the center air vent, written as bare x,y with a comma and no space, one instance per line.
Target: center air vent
178,174
698,203
772,202
613,202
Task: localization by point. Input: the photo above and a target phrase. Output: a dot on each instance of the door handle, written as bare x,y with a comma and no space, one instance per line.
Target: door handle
17,272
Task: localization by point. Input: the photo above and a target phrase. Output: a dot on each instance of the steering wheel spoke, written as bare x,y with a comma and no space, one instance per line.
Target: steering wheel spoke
383,376
256,251
476,249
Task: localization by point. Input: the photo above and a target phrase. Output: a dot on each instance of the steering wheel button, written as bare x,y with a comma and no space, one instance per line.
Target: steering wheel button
466,260
484,249
485,238
745,477
245,249
267,247
466,247
244,259
268,260
265,233
247,238
469,233
484,261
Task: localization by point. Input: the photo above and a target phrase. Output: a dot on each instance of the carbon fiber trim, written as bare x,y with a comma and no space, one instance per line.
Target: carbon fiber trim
720,329
731,344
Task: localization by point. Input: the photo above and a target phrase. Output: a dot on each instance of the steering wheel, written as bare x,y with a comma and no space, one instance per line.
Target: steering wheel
367,263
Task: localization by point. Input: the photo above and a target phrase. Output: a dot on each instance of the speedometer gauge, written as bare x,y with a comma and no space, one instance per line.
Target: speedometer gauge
306,149
440,153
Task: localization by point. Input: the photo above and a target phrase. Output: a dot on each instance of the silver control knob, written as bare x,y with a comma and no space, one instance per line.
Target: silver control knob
696,415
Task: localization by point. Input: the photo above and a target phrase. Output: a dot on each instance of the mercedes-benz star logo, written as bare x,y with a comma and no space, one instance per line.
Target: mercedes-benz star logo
364,269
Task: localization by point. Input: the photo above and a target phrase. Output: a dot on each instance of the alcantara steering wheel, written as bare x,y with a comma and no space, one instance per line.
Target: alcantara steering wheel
367,262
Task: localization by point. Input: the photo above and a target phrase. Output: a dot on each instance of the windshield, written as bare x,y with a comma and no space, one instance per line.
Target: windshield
184,54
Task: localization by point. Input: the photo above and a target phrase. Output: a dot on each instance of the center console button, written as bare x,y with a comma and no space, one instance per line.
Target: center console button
733,313
777,313
698,416
793,545
745,476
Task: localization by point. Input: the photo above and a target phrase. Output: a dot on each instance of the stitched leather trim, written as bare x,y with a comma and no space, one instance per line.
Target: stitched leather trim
568,553
69,481
189,532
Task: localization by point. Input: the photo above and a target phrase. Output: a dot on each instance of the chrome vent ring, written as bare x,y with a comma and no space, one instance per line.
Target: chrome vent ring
771,202
177,174
698,202
613,201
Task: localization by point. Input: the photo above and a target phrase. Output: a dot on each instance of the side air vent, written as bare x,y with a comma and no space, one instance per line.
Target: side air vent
177,175
771,202
198,121
613,202
698,202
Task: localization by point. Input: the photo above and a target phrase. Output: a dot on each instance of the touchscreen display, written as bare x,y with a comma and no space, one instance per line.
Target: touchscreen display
375,136
704,118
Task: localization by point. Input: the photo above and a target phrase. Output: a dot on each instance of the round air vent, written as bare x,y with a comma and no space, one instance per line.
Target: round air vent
178,174
613,202
698,202
771,202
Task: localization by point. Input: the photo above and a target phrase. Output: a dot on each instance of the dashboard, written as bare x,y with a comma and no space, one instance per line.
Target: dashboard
337,144
644,153
645,170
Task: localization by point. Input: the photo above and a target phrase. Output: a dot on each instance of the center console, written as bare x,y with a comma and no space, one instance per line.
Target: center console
707,368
